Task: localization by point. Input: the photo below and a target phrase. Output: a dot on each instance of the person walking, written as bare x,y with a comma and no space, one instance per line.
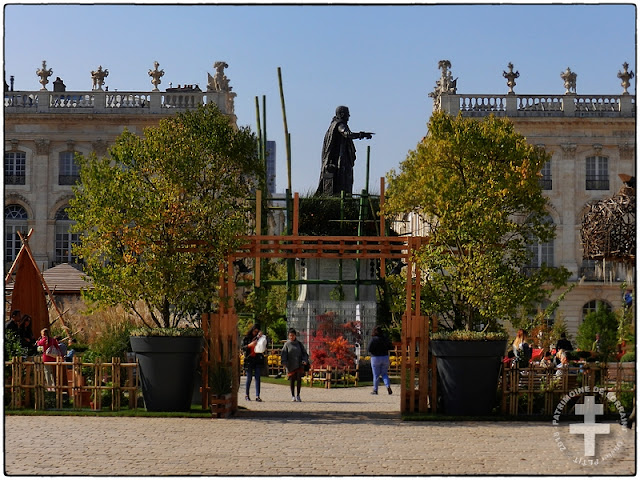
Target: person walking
253,359
379,347
294,357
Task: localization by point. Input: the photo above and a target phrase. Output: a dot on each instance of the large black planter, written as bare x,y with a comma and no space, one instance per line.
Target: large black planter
468,373
167,366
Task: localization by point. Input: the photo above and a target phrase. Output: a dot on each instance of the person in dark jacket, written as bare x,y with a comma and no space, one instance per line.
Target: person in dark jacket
26,335
379,347
563,343
294,357
13,325
253,361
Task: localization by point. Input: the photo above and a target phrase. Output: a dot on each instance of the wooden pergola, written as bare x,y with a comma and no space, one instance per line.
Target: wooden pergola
418,374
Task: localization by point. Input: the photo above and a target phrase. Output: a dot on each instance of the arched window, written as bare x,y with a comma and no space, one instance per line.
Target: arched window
597,173
64,238
15,168
15,220
592,306
69,171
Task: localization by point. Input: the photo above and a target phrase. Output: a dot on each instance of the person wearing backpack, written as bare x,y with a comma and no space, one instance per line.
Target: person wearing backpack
294,357
254,344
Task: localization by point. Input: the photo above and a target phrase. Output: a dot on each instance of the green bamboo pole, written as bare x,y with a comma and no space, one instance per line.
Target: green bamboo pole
287,139
286,130
264,135
361,219
258,128
366,185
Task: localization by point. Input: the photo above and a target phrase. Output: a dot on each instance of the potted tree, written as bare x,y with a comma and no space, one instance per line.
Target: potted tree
155,220
474,185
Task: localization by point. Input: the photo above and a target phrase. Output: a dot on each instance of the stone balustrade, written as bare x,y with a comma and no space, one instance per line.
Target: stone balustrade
511,105
112,102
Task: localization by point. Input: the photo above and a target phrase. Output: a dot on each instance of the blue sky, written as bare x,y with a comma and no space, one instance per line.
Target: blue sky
380,61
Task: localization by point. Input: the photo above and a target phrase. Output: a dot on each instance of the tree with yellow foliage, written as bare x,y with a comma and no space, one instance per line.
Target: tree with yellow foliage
475,184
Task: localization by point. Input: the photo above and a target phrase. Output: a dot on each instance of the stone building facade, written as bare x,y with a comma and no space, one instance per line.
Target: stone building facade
44,129
591,139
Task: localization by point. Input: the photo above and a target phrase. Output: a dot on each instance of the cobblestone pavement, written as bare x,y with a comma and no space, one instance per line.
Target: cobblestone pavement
339,432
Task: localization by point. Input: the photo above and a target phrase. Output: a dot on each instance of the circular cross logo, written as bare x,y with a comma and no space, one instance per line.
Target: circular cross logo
587,440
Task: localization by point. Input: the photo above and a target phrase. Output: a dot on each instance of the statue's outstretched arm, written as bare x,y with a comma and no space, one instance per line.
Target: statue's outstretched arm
347,133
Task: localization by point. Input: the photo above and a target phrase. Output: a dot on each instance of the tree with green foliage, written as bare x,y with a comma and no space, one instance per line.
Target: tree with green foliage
604,322
475,185
268,303
186,182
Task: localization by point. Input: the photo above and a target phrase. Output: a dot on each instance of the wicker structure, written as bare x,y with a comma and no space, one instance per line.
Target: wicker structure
608,229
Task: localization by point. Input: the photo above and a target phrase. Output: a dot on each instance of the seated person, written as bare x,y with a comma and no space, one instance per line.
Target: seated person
564,362
546,360
521,349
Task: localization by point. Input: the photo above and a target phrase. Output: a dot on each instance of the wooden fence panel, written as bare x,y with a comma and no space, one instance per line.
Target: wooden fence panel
538,390
28,380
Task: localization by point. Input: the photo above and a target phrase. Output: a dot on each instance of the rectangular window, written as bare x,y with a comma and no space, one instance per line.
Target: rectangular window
545,180
14,168
64,242
546,254
69,171
597,173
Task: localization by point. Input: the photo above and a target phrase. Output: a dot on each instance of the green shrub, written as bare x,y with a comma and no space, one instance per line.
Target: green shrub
278,330
113,341
12,345
574,355
322,216
467,335
626,399
164,332
629,357
603,322
582,354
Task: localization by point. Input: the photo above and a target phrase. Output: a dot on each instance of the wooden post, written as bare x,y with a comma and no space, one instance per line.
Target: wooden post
16,382
296,213
97,381
206,359
133,388
59,385
115,382
39,382
28,371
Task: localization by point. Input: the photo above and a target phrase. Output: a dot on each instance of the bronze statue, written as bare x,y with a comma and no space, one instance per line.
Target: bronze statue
339,155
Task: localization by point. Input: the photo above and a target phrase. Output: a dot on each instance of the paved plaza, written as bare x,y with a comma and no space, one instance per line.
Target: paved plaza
333,432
